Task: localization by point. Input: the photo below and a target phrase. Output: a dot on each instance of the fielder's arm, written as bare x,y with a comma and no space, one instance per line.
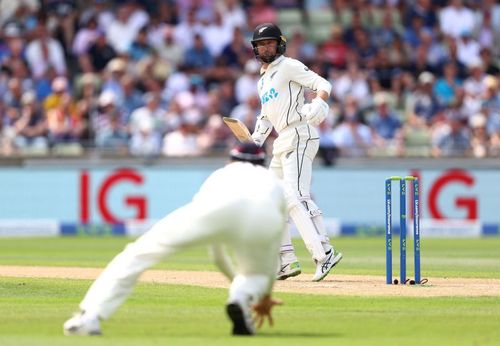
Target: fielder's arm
222,261
263,128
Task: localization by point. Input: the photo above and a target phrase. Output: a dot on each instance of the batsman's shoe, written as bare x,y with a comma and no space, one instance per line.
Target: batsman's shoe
288,270
80,324
324,267
239,313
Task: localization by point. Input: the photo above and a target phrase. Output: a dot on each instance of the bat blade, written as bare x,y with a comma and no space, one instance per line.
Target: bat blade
239,129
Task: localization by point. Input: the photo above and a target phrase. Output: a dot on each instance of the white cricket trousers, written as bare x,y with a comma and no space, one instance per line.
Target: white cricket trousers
252,231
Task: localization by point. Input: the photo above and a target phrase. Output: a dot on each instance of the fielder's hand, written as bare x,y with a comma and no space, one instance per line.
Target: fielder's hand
263,309
316,111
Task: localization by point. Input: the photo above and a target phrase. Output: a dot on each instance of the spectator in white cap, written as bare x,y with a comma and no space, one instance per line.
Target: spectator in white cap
145,140
59,88
423,103
480,139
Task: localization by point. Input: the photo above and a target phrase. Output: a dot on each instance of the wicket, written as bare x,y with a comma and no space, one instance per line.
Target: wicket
402,220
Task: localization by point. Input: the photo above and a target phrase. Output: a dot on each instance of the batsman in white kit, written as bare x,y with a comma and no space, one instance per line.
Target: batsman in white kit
281,90
242,207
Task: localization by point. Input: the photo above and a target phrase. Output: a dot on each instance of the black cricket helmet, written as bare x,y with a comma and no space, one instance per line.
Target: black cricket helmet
268,31
248,152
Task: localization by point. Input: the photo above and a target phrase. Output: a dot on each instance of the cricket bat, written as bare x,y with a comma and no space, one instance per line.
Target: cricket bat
239,129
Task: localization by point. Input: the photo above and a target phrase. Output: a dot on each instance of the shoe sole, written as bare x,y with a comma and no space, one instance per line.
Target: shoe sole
289,275
336,260
237,316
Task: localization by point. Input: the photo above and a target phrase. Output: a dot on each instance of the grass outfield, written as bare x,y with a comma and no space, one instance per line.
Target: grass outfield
32,310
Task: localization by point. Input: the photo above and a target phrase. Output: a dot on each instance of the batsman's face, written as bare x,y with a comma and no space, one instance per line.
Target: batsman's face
267,48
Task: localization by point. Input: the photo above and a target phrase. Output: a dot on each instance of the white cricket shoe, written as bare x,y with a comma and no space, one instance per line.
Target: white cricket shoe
239,313
288,270
80,324
324,267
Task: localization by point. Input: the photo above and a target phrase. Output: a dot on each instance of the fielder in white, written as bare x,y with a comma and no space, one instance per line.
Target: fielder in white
281,90
241,206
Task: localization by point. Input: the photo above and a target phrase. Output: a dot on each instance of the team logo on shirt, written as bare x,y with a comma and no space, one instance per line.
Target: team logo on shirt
268,96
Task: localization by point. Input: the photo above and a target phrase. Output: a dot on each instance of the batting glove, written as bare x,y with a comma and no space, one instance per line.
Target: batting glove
316,111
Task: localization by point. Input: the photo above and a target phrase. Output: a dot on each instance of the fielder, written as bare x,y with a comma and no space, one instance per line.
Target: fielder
281,90
241,206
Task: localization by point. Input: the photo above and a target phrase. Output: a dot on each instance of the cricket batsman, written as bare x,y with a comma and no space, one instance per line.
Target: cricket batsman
242,207
281,90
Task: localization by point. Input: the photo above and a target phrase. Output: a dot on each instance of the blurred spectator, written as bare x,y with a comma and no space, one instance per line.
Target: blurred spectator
456,18
140,48
44,53
151,117
387,33
474,86
491,105
445,87
65,123
9,9
413,33
237,52
245,86
247,111
86,36
115,70
31,127
99,55
233,14
384,120
422,102
14,93
328,150
299,48
422,9
121,33
415,137
456,141
215,135
489,65
106,111
168,49
334,51
260,11
198,57
467,48
480,139
182,142
187,29
353,83
114,137
351,135
217,35
145,140
132,97
59,91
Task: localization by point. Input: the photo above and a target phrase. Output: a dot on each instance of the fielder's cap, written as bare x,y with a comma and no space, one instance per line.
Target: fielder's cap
248,152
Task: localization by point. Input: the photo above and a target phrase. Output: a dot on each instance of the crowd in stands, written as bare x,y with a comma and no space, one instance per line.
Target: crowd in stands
155,77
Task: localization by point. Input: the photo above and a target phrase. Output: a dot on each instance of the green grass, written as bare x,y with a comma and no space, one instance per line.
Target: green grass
362,255
32,310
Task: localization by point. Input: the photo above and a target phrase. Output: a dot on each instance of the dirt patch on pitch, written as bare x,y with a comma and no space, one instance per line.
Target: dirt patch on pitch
351,285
